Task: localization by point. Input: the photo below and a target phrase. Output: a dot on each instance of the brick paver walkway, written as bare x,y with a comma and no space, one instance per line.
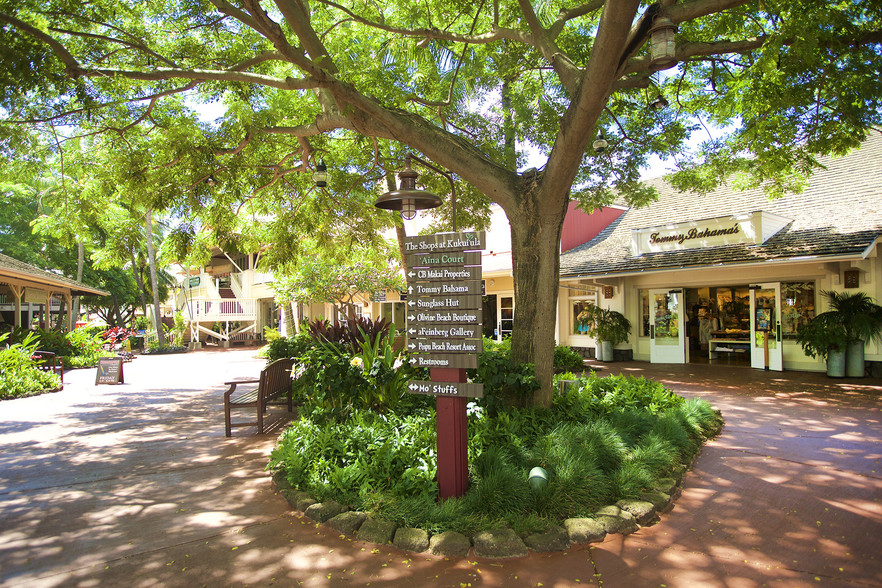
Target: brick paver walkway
136,485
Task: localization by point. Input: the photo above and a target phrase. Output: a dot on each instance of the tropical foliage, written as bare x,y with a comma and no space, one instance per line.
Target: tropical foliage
19,372
603,439
109,87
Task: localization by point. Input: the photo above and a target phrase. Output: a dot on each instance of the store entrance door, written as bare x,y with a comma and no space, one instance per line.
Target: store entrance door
667,327
766,349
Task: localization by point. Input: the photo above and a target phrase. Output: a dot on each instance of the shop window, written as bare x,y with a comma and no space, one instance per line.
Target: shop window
644,313
396,313
506,313
798,306
579,305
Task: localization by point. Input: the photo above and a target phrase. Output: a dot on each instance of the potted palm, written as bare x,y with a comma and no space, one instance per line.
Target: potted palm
862,319
839,335
824,337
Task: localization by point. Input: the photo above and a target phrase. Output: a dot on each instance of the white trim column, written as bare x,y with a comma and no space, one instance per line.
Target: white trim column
17,292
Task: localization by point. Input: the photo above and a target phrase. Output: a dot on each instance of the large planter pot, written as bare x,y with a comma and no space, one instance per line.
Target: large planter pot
836,363
854,360
607,351
598,352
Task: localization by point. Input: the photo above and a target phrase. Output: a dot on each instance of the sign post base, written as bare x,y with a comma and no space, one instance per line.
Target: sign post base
452,431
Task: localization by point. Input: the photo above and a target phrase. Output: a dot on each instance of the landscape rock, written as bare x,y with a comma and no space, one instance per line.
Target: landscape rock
450,544
615,520
644,511
584,530
297,499
280,479
416,540
554,539
324,511
347,523
659,500
499,544
666,485
377,531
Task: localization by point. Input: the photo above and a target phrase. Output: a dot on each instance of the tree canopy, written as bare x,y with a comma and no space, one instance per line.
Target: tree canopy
337,276
472,86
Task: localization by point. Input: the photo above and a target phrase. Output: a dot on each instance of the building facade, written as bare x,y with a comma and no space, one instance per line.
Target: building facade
728,276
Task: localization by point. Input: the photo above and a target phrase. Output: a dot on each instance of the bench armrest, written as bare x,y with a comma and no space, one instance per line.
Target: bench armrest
232,386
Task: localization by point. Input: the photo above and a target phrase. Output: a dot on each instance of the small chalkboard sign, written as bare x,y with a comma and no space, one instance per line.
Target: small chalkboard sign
110,371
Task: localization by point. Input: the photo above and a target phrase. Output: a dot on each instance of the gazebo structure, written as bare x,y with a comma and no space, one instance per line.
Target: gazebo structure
22,282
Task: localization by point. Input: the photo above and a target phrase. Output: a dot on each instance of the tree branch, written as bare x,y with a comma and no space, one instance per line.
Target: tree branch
566,15
201,75
497,33
70,62
151,97
129,44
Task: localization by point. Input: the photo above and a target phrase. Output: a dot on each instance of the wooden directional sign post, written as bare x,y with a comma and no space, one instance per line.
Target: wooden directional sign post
444,334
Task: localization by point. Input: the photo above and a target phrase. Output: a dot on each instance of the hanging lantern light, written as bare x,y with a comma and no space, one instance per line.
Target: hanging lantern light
320,175
600,143
408,199
662,45
659,103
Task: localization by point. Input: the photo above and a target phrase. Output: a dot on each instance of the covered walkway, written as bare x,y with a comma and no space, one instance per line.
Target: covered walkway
136,485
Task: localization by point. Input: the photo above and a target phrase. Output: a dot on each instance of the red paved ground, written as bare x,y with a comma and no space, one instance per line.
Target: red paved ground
136,485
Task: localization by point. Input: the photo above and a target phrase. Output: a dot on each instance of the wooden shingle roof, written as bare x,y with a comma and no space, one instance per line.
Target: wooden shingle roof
838,214
13,269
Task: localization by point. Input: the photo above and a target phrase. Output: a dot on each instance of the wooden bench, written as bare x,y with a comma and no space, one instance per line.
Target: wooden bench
275,380
245,338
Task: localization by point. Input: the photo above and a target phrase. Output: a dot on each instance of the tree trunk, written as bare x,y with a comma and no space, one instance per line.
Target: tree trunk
295,314
154,283
140,282
75,303
535,243
287,322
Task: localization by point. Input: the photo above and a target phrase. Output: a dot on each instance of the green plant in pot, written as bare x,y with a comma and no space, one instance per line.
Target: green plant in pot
607,327
839,334
862,319
824,337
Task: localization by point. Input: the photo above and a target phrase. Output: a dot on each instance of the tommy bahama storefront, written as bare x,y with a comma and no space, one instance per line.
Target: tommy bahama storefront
728,277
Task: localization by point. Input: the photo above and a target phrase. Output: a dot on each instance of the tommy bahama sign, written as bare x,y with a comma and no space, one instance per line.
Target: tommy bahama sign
444,306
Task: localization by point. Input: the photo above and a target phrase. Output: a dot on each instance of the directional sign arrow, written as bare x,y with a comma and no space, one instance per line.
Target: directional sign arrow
412,346
411,317
411,331
410,289
446,388
410,274
411,303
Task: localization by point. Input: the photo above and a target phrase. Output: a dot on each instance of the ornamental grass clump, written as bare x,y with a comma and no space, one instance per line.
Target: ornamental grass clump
604,439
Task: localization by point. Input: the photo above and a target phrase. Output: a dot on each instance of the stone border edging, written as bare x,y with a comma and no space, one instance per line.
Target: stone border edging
623,517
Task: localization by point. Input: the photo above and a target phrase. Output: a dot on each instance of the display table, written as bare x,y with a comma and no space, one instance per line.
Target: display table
717,345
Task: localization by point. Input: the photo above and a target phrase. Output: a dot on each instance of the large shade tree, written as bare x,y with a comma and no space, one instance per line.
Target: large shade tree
470,85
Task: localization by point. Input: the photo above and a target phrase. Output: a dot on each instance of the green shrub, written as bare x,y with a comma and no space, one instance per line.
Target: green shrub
157,348
19,374
568,359
270,334
87,348
603,440
288,347
505,384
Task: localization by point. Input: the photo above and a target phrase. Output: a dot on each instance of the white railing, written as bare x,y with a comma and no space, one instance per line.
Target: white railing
232,309
236,286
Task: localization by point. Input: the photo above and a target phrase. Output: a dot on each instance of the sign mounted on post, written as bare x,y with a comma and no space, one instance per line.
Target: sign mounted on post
110,371
446,389
444,289
444,333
